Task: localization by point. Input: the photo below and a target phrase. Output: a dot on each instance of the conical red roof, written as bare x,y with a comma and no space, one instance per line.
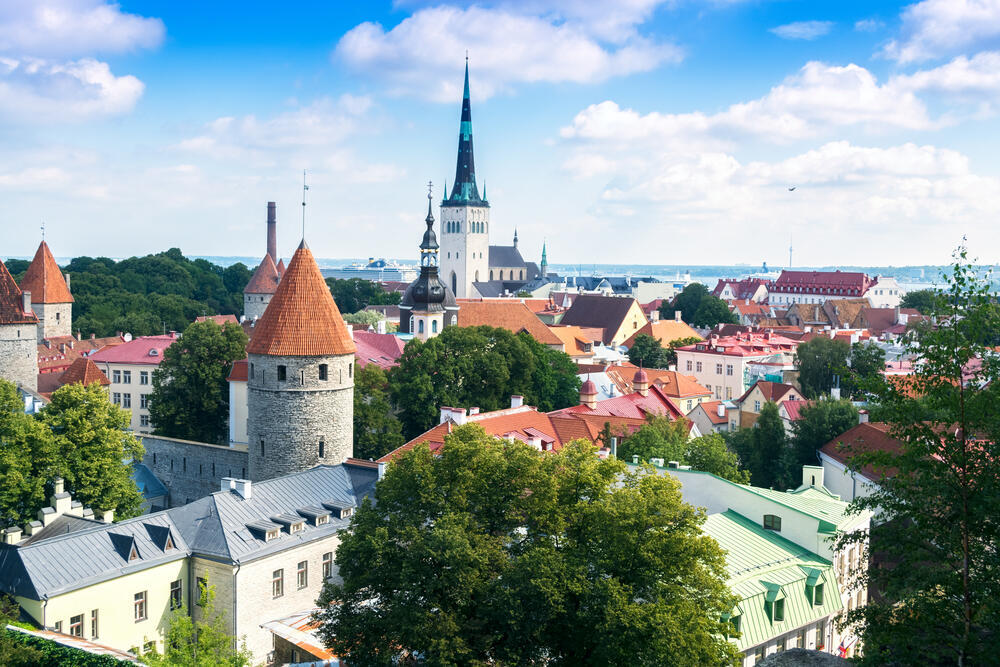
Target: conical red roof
84,371
265,279
302,319
11,305
44,279
281,267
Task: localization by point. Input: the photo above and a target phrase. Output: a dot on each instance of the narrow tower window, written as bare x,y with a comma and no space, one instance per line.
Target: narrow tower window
322,449
262,447
282,371
322,371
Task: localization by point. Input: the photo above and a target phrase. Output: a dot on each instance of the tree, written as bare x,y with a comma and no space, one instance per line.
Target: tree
938,569
353,294
496,553
763,448
12,652
364,318
28,459
647,352
190,398
660,438
200,643
711,454
377,431
867,362
924,300
94,449
821,361
820,423
687,302
478,367
712,311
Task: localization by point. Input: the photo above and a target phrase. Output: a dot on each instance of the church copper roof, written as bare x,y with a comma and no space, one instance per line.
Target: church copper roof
302,319
44,279
11,306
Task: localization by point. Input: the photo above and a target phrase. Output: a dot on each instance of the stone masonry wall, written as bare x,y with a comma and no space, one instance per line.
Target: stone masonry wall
254,305
191,470
54,319
292,417
19,355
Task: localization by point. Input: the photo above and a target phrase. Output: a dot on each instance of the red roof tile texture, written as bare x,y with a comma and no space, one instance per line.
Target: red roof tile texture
265,279
142,350
44,279
302,319
866,437
84,371
511,315
383,350
11,304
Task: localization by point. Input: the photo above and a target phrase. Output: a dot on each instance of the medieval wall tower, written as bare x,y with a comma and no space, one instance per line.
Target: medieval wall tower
465,217
264,281
18,334
300,379
51,300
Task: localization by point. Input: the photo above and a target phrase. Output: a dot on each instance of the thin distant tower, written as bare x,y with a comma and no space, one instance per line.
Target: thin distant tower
789,251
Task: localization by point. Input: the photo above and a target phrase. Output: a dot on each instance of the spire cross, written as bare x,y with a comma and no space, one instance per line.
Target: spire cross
430,189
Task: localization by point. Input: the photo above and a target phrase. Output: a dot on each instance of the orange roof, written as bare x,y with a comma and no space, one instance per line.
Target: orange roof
84,371
240,371
664,331
221,320
57,353
265,279
711,409
575,339
11,305
511,315
44,279
677,385
301,320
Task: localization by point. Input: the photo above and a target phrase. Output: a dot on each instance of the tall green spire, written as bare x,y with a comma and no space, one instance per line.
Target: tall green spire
545,262
464,190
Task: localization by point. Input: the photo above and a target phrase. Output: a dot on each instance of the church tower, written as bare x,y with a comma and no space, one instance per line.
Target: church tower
465,217
428,306
51,300
300,381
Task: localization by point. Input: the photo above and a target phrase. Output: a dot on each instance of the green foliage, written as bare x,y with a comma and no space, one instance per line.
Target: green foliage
17,267
821,422
12,651
712,311
200,643
364,318
354,294
495,553
147,295
687,302
478,367
93,448
20,650
763,449
924,300
867,363
668,440
647,352
190,397
821,361
940,494
377,431
28,459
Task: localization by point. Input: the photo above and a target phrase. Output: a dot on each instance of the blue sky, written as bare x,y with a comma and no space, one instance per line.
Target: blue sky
632,132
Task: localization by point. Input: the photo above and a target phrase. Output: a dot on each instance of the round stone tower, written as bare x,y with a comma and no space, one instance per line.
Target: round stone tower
18,337
300,377
51,300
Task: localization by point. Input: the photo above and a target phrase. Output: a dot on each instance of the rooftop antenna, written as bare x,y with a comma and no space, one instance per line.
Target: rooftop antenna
304,188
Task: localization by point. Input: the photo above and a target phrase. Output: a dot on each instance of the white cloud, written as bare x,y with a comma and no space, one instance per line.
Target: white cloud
422,55
868,25
975,80
41,91
71,28
936,28
807,30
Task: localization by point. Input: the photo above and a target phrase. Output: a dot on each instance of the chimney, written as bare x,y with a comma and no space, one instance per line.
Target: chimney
105,516
93,336
677,316
12,535
459,415
721,410
473,411
516,401
272,232
445,414
658,462
32,527
242,487
61,501
228,484
66,278
381,327
812,475
862,416
381,469
835,393
26,301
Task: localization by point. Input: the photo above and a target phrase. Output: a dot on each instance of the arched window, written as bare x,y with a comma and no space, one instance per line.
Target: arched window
420,326
522,274
411,323
454,320
501,274
454,289
434,326
491,274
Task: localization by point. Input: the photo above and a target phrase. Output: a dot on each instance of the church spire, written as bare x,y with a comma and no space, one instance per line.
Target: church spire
545,262
464,190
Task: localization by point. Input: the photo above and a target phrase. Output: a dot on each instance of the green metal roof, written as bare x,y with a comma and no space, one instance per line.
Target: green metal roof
763,566
831,511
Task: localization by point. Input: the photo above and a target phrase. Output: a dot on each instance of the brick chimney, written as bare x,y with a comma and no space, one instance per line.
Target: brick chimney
272,232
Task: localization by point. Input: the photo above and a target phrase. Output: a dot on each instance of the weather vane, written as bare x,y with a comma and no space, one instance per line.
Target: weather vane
304,188
430,189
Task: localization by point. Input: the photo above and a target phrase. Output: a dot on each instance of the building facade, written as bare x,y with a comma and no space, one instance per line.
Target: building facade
130,368
729,365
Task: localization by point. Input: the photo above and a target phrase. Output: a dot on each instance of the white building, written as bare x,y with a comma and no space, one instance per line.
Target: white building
130,368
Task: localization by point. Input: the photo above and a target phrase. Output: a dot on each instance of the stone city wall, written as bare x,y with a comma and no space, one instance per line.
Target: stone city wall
191,470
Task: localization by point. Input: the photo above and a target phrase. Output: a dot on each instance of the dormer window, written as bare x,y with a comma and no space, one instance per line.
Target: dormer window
169,544
772,522
133,554
272,535
296,527
346,512
818,595
322,520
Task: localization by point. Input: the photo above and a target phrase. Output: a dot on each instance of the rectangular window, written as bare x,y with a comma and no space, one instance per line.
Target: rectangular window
76,625
323,371
126,400
262,447
758,654
94,634
144,420
175,594
302,574
801,639
772,522
729,369
327,565
140,606
780,646
143,377
144,401
779,610
729,393
58,626
126,377
282,373
756,406
116,398
818,595
116,377
689,364
149,647
718,369
698,367
277,583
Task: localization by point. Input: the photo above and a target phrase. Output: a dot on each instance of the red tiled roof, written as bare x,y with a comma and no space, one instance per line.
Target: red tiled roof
84,371
664,331
635,405
711,410
142,350
218,319
772,391
794,409
866,437
240,371
511,315
44,279
62,351
302,318
265,279
851,283
383,350
281,267
11,303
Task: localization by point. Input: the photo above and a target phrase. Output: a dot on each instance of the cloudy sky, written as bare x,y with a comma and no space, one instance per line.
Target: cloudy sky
642,131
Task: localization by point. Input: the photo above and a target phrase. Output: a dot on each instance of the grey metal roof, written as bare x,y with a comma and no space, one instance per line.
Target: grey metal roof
214,526
505,256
